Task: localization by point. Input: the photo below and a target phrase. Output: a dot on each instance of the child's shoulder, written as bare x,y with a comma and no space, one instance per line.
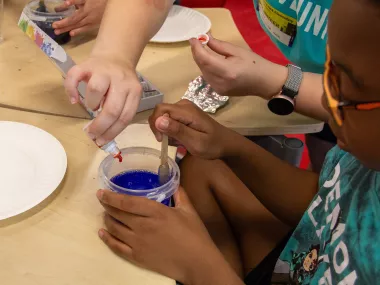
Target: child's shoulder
344,165
334,156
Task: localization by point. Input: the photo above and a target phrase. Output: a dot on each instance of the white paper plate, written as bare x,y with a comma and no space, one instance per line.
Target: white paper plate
32,165
182,24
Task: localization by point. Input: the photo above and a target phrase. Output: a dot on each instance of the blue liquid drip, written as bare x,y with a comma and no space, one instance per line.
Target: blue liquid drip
138,180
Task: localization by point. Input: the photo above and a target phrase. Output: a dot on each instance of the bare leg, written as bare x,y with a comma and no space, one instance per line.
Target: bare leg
242,228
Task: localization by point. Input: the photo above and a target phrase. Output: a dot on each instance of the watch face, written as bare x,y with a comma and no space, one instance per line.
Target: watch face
281,105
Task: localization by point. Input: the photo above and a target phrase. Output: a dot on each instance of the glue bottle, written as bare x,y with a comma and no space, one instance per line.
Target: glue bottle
113,149
110,148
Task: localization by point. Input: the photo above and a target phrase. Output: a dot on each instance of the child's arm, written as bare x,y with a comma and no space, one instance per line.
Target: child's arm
284,190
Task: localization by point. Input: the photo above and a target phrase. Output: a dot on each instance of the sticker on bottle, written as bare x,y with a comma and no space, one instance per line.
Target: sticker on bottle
41,39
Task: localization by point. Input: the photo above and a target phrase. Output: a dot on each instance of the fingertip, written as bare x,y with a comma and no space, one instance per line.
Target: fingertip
100,194
101,233
73,100
80,30
162,123
193,42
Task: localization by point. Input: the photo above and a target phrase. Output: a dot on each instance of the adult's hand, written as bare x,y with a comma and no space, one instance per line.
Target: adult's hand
112,85
236,71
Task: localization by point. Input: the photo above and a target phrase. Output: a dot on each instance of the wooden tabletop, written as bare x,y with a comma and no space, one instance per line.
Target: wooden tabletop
56,242
28,80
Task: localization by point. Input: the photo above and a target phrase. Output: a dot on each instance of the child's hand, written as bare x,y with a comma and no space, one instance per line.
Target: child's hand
170,241
235,71
87,17
189,126
112,84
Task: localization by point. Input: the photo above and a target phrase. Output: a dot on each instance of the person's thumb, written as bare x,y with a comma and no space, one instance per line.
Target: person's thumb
175,129
221,47
182,201
200,54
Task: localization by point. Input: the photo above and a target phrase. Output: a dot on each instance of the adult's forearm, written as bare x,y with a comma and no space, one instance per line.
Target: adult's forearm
283,189
127,26
309,99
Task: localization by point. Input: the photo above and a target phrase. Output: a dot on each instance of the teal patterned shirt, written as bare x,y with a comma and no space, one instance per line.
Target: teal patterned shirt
338,239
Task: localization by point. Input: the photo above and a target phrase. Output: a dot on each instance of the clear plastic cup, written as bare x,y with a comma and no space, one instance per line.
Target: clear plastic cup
45,19
139,159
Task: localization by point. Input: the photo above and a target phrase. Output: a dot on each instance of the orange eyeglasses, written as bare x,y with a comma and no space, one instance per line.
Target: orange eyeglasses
334,97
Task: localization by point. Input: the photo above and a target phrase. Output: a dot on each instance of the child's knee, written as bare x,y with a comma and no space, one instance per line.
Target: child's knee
199,169
194,167
189,163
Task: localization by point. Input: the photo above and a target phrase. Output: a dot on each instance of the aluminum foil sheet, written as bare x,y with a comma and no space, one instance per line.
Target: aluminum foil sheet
200,93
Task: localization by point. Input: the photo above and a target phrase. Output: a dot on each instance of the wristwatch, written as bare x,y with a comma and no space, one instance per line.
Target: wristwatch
283,103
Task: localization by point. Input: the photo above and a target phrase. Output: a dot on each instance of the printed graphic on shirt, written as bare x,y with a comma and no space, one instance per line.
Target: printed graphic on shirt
301,267
281,26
